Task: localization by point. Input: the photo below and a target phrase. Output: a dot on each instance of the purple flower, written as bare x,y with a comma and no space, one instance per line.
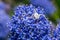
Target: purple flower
4,19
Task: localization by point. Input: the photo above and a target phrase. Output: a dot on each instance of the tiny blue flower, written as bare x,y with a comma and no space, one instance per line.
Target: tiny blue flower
47,37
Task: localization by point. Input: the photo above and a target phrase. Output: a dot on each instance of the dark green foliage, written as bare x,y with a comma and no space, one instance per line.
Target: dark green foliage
22,1
57,3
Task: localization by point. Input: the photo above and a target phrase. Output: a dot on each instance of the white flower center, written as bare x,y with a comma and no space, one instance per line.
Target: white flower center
36,15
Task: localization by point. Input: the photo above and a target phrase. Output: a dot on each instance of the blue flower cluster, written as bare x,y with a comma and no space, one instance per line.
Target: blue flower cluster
56,33
46,4
29,23
4,19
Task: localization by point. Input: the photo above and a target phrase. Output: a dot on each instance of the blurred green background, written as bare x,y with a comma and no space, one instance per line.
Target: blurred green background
53,18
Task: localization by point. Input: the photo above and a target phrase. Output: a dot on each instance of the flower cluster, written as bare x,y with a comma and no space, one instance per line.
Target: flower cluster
46,4
56,33
4,19
29,23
